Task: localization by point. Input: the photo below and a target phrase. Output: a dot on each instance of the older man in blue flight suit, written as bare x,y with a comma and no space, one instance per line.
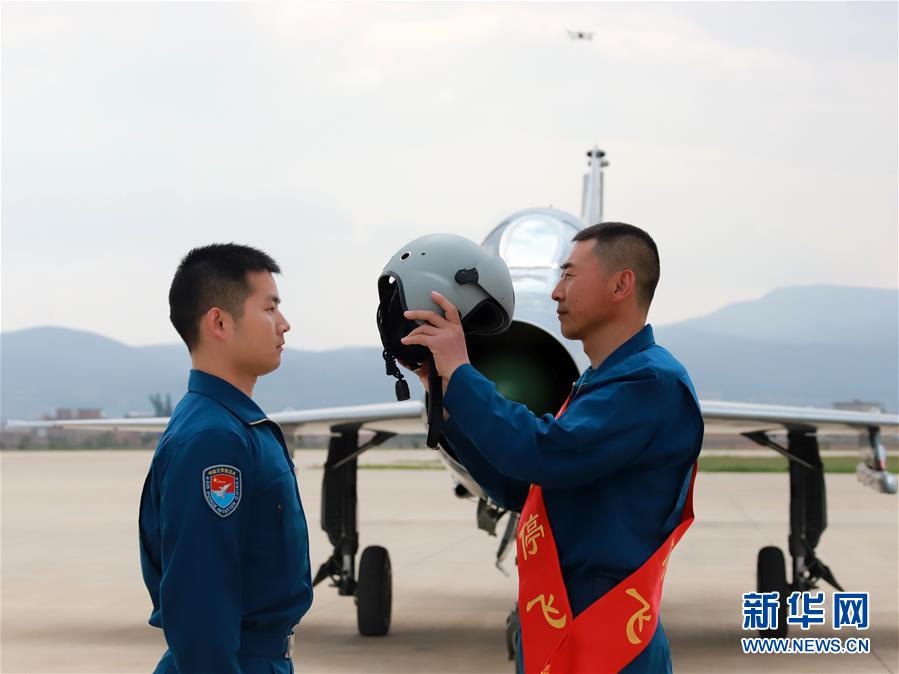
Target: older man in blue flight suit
615,468
224,542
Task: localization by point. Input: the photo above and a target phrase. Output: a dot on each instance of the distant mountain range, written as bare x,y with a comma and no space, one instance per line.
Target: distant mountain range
811,345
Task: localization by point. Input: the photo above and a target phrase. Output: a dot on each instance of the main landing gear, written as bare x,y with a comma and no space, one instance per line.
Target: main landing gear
808,520
373,588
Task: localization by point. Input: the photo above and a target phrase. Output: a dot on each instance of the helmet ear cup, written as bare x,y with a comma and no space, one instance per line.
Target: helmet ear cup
494,279
486,318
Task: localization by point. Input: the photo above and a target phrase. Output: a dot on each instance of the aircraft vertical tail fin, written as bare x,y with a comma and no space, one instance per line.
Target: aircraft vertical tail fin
591,201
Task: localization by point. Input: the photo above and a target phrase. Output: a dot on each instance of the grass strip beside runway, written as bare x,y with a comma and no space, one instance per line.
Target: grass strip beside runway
779,464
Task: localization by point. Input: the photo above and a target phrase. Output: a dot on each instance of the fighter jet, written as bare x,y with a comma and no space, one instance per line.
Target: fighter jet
534,364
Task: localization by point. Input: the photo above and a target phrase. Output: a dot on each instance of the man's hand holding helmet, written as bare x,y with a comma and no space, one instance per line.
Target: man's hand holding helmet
442,335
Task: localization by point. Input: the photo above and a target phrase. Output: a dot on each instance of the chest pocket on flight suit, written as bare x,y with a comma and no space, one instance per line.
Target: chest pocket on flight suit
272,513
291,525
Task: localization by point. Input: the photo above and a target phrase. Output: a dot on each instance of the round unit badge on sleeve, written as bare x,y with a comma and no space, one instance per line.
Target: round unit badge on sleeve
221,487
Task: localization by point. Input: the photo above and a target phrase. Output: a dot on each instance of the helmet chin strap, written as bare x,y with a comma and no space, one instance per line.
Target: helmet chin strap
402,387
434,401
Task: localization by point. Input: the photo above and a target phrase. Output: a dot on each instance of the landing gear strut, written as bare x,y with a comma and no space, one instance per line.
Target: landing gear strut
373,587
808,520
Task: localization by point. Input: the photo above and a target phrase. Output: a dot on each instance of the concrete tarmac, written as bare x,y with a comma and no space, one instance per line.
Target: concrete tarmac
72,598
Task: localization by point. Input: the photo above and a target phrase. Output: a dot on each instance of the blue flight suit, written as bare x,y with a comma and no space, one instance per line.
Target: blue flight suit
614,468
226,563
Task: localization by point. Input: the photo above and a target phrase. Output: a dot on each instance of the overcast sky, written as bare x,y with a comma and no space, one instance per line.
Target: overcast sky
757,142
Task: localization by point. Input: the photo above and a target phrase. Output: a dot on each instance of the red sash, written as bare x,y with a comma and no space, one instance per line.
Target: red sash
612,631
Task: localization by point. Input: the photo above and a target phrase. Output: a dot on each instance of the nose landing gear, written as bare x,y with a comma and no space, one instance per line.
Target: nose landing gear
808,520
373,588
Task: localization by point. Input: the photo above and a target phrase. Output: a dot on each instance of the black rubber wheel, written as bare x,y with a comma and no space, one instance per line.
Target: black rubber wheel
771,576
374,592
513,625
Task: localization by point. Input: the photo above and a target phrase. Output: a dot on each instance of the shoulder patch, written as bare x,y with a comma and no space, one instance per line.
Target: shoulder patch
222,488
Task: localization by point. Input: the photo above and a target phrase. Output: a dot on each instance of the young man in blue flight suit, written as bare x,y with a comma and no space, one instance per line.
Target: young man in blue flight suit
224,546
615,467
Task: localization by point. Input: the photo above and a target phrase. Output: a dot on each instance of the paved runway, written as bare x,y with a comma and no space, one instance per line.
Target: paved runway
72,598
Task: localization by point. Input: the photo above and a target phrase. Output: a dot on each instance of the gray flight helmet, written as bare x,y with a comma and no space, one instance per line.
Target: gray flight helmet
477,282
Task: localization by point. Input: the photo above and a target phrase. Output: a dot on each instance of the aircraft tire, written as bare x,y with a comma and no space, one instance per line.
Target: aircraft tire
513,625
374,592
772,577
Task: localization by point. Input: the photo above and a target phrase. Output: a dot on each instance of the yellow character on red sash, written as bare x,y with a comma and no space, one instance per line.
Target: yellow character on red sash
531,530
548,608
641,616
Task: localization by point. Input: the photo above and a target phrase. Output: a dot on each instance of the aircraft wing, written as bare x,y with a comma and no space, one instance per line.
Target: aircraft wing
405,417
409,417
144,424
727,417
757,421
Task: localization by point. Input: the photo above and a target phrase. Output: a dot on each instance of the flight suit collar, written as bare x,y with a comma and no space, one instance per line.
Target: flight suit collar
640,341
231,397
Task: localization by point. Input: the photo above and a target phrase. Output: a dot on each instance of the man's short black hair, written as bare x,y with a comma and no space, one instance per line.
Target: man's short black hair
622,246
213,276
